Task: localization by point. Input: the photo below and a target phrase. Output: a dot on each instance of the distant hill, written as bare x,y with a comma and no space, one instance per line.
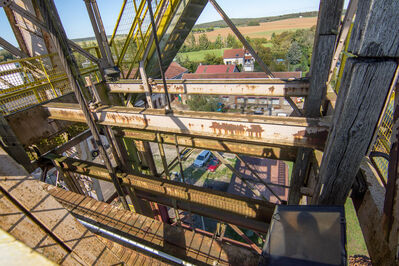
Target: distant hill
245,21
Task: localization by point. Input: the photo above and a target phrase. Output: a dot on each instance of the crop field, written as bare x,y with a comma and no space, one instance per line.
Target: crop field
265,29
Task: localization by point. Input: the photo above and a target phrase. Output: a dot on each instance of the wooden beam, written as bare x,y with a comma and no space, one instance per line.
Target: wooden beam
364,88
326,33
375,32
299,174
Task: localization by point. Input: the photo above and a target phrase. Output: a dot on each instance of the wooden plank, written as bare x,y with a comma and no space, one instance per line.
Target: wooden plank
329,17
51,216
321,61
298,176
364,88
368,38
170,239
327,27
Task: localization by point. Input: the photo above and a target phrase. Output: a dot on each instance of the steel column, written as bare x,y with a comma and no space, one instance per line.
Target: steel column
50,16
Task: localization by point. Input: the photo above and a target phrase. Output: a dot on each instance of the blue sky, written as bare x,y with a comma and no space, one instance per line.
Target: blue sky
74,16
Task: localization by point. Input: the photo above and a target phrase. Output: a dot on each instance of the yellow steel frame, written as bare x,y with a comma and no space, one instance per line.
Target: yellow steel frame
139,35
30,89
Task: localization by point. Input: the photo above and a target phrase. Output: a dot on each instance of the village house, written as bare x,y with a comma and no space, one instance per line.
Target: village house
239,57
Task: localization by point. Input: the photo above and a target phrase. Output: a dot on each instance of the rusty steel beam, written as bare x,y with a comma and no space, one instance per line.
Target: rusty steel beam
242,211
278,131
240,87
208,143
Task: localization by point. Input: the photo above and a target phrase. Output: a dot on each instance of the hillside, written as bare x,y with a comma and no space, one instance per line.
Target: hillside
265,29
245,21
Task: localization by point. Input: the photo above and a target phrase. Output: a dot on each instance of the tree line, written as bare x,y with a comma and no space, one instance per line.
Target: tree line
287,51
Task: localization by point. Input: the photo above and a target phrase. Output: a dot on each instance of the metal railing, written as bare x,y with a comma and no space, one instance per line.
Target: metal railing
31,81
132,32
382,143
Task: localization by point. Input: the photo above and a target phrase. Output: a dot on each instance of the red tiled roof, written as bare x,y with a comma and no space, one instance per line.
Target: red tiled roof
174,70
233,53
211,69
241,75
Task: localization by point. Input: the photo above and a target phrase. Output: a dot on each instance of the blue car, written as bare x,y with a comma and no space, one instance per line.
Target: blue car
202,158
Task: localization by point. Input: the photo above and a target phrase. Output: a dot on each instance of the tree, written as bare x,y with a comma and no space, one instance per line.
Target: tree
192,42
211,59
294,54
253,23
203,41
231,41
218,42
185,62
202,103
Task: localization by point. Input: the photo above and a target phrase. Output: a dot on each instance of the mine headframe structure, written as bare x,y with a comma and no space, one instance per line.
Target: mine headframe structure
343,143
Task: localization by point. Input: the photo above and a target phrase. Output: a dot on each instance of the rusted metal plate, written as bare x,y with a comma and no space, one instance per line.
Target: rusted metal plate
239,87
280,131
179,242
234,209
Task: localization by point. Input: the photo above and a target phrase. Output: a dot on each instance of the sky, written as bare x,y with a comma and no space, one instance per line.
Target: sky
76,22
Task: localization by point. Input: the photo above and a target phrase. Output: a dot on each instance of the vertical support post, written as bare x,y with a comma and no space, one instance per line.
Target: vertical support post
154,33
299,174
99,32
146,154
163,158
147,86
51,18
323,50
68,179
179,160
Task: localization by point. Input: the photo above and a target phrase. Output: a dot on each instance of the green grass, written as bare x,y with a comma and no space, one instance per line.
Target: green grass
268,44
290,166
354,236
199,56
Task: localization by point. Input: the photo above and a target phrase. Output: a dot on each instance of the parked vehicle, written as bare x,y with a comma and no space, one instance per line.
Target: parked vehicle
281,114
183,153
202,158
259,111
213,165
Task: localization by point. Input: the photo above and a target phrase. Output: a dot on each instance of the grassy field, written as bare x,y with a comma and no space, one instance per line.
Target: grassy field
355,241
266,29
199,56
